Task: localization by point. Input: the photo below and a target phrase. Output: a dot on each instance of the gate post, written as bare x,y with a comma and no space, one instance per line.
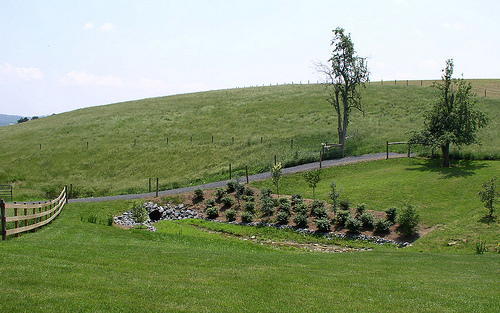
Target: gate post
4,224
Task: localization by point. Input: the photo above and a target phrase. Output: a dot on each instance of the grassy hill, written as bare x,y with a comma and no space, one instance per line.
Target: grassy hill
114,149
74,265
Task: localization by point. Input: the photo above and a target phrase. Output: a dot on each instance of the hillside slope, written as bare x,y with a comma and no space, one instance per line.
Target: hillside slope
187,139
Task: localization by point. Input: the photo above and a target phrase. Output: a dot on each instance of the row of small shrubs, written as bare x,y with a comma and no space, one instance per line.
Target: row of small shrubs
283,207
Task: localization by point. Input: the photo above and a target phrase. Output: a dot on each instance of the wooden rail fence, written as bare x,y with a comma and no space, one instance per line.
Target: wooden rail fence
387,144
47,212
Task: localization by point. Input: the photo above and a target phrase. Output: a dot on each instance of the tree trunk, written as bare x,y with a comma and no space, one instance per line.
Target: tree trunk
445,149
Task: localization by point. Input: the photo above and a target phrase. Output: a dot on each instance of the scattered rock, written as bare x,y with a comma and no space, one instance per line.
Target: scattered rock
156,213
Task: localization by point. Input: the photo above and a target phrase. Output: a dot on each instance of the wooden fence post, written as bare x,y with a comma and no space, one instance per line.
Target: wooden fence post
150,184
230,174
4,224
16,223
291,143
246,169
387,150
275,160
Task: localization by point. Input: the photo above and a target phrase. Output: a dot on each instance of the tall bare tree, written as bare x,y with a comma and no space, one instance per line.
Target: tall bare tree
344,73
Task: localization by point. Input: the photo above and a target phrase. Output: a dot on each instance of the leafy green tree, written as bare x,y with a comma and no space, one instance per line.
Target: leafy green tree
276,172
344,73
452,119
312,178
489,195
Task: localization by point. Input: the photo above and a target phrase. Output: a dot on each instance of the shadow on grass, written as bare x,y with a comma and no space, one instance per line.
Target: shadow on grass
460,168
488,219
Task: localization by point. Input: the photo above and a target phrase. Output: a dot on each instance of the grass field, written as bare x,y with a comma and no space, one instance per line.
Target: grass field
446,198
127,142
73,265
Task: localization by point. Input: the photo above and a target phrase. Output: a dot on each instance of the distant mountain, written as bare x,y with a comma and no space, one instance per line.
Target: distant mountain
8,119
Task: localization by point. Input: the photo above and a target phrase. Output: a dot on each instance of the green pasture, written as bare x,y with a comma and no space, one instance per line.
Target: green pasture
171,137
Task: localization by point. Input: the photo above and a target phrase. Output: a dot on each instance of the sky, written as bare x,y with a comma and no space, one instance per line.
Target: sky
60,55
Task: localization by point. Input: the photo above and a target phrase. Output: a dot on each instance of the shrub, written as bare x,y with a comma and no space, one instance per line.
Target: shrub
198,194
323,224
408,220
391,214
334,194
319,212
227,200
219,193
301,208
317,203
250,207
297,199
110,220
231,215
246,217
139,213
248,192
282,217
209,202
285,207
360,209
300,220
382,226
344,204
248,198
342,216
264,191
367,220
353,224
283,200
231,185
212,212
267,208
489,195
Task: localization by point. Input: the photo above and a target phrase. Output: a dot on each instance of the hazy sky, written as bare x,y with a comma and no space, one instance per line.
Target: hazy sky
57,56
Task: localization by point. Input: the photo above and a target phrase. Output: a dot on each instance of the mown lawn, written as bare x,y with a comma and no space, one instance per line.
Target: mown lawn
446,198
73,265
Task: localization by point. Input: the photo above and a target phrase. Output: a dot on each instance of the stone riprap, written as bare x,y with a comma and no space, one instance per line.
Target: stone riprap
157,213
179,212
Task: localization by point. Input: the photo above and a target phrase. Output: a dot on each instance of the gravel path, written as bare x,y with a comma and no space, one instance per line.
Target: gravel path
256,177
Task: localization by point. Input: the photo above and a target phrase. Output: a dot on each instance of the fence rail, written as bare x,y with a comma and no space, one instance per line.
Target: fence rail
6,192
51,210
387,144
